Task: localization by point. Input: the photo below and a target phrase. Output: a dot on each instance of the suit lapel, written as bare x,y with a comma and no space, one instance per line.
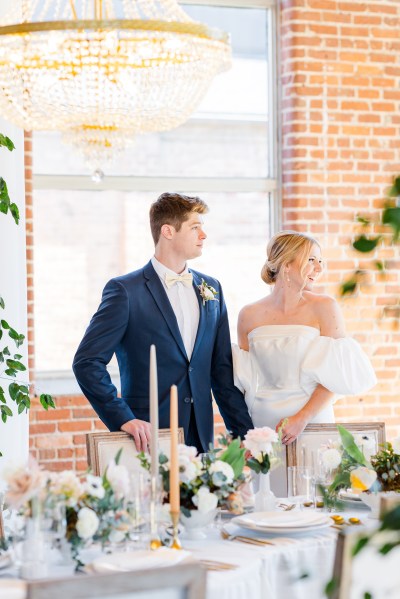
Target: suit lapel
157,290
203,313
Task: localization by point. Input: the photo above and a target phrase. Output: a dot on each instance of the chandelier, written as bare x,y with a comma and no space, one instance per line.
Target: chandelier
102,71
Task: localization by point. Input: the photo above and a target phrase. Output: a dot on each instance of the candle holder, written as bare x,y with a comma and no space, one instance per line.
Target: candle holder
155,541
175,543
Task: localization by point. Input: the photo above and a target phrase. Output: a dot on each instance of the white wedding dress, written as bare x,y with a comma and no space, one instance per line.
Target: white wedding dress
285,363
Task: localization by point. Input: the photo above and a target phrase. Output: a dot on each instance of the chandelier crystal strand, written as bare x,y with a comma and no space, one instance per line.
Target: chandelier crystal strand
144,66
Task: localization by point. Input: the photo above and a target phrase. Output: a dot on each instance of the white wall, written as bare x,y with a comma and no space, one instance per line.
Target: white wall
14,440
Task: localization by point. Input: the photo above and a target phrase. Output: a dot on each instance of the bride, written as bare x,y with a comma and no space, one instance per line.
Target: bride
293,353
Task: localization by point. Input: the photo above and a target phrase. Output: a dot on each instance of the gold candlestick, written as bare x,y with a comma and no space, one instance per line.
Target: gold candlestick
175,544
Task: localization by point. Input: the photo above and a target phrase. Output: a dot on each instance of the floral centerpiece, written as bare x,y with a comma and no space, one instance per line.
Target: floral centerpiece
94,507
367,472
208,481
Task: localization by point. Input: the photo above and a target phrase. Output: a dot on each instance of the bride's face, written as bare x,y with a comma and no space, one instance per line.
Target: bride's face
307,277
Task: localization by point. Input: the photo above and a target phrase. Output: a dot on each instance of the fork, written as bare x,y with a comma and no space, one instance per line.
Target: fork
243,539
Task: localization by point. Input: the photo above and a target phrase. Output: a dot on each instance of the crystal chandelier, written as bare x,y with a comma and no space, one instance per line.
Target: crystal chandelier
102,71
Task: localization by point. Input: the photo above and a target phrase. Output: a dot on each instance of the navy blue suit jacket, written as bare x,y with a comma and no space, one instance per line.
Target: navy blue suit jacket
135,313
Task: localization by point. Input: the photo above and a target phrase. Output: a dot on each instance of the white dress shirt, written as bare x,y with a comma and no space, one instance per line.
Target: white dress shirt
184,303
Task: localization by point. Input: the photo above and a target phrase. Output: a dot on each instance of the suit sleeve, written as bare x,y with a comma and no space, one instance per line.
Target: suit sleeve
229,399
96,349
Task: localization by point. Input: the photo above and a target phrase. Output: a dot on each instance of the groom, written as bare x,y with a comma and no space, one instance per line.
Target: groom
183,313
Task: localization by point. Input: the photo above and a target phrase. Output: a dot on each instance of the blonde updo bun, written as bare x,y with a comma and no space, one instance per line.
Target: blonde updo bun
282,249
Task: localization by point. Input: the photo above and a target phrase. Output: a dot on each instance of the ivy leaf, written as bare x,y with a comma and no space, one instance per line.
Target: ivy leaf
391,217
5,413
17,356
2,396
5,324
349,286
363,220
13,390
2,304
395,189
16,364
364,244
6,142
47,401
15,212
6,351
10,372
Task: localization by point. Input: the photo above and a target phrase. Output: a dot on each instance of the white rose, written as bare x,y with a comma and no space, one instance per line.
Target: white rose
118,477
187,450
396,445
259,440
331,459
220,467
204,500
87,523
207,293
366,444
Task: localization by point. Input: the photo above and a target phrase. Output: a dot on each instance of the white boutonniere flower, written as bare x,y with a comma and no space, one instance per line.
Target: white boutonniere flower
207,292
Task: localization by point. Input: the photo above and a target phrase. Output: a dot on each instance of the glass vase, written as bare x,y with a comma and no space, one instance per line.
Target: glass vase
264,499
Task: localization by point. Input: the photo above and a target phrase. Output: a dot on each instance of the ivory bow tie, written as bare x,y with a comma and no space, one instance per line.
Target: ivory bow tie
186,279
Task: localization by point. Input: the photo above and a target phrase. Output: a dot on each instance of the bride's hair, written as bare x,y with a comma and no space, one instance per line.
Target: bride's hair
283,248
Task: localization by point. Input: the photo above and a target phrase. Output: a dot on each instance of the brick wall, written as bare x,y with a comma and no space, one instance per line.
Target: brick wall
340,145
341,140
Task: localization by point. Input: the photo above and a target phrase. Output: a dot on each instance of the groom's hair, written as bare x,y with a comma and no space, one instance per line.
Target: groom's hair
173,209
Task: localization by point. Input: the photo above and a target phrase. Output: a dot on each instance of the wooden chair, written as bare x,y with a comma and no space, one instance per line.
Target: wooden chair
368,572
103,446
300,452
1,516
185,581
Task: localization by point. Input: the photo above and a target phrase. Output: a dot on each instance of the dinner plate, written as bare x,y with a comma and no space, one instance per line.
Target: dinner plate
138,560
349,495
283,522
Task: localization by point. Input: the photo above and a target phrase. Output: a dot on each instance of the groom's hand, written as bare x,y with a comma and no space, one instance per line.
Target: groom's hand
140,431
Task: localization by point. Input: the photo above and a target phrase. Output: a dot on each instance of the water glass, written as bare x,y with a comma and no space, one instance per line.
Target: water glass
300,485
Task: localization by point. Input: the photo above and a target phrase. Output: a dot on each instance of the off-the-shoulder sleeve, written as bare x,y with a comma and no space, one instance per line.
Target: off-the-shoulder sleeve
340,365
242,371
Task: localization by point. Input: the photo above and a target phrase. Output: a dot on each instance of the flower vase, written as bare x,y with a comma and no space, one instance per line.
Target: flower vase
264,499
33,558
196,523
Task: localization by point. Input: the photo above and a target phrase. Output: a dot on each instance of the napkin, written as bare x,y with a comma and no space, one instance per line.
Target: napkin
138,560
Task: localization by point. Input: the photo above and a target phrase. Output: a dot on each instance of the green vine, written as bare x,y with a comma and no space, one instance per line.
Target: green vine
10,359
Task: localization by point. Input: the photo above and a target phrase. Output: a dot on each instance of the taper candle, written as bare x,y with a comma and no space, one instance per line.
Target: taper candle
153,412
174,460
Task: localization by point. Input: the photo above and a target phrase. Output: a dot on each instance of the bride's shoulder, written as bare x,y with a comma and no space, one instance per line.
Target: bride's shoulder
320,300
328,313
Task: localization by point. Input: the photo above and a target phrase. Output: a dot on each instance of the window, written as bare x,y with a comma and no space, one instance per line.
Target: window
86,233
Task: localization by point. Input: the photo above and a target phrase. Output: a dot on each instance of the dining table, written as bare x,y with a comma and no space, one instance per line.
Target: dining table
240,562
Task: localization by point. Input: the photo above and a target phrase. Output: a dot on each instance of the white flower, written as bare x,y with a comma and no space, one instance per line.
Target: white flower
67,485
362,479
331,459
118,477
87,523
207,292
259,440
219,467
366,444
187,450
204,500
94,486
396,445
187,469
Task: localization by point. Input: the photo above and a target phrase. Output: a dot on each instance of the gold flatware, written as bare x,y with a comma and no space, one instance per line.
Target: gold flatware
217,566
287,506
243,539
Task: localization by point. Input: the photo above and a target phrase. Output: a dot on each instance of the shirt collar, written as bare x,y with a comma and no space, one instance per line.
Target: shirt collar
161,270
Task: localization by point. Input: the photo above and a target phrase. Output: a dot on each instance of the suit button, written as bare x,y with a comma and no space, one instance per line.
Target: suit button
187,399
190,369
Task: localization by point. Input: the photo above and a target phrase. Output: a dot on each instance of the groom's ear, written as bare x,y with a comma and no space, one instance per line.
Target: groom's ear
167,231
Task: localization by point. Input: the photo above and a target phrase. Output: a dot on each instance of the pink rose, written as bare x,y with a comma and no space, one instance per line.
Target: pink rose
259,441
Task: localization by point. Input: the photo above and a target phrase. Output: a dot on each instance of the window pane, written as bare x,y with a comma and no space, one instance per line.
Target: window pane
226,137
95,236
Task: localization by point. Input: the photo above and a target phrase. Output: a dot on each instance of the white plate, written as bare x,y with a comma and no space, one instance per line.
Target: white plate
138,560
283,522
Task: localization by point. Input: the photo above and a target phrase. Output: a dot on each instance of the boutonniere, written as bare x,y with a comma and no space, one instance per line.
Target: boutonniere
207,292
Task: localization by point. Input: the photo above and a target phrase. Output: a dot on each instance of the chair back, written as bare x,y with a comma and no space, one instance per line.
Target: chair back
102,447
185,581
302,451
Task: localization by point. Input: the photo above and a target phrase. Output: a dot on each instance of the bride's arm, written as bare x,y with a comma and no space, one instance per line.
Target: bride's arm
243,328
331,325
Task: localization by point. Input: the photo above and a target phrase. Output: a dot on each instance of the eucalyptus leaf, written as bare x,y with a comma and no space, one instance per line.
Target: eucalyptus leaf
6,142
16,364
391,217
21,408
349,286
47,401
13,390
6,351
15,212
395,189
5,324
2,396
10,372
17,356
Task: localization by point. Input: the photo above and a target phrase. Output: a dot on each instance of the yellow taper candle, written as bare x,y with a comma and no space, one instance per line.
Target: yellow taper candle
174,461
153,412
